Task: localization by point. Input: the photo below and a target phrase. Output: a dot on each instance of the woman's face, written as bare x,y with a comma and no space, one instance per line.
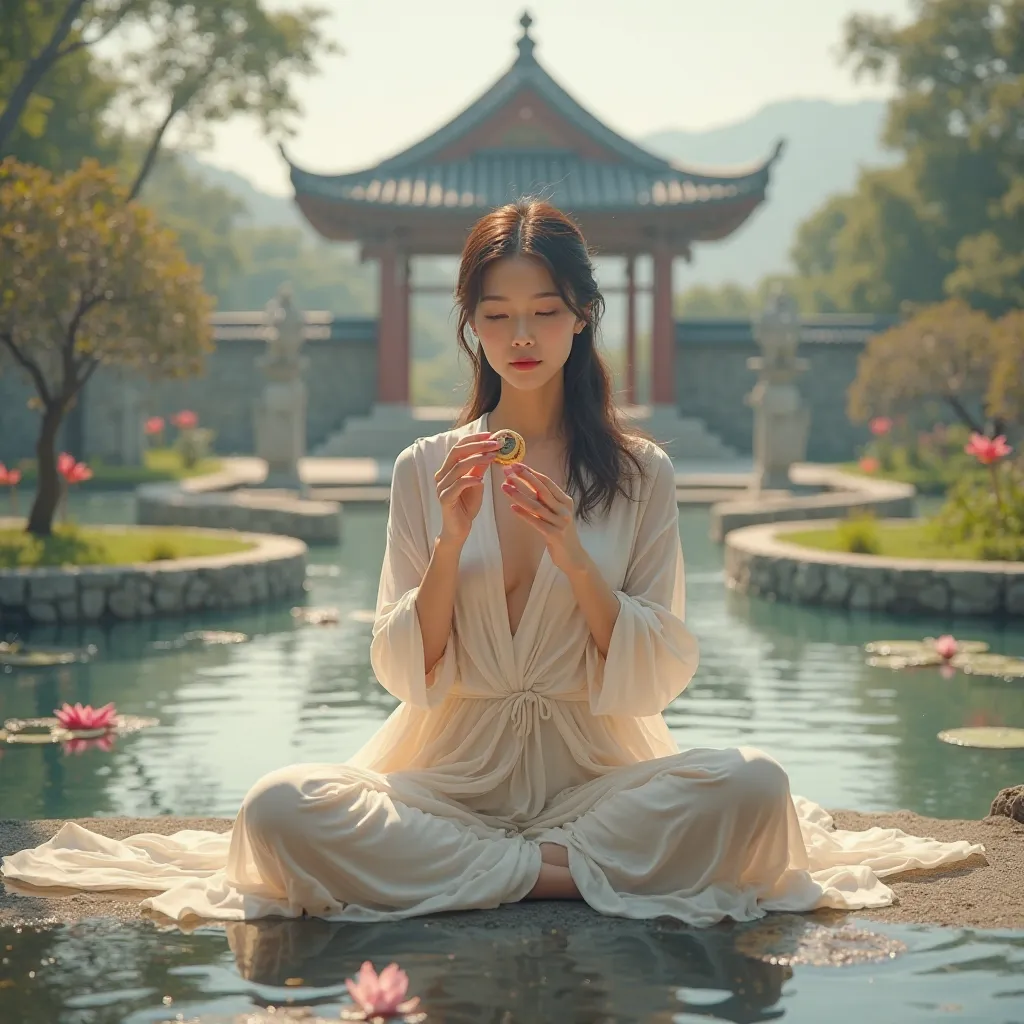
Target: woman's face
525,328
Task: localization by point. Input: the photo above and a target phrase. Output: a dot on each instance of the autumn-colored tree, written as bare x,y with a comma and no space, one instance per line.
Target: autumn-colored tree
946,352
1006,395
89,278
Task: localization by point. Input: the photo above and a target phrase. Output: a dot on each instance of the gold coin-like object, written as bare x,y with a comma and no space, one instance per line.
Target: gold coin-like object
513,447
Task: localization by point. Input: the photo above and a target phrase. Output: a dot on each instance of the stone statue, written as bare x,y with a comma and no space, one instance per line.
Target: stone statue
781,420
280,413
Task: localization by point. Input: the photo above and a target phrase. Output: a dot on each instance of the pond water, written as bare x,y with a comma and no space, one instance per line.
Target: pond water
789,680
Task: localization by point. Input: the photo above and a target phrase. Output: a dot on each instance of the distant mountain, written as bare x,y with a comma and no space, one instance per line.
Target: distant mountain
826,146
264,210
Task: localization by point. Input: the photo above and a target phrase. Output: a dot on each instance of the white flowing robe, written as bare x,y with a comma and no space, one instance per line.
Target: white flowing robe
508,742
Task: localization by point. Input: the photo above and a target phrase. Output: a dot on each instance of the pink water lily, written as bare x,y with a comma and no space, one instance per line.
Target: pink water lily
82,718
987,450
381,995
946,646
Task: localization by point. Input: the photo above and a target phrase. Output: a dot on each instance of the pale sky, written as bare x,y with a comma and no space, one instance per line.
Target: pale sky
639,65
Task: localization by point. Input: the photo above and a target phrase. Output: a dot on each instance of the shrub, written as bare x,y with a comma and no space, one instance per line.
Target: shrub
859,535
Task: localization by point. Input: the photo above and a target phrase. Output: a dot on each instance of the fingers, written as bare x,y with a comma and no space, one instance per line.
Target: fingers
549,530
548,491
524,502
473,467
472,444
450,494
548,494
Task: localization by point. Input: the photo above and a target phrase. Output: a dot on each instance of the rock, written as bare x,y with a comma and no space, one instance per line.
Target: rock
1009,803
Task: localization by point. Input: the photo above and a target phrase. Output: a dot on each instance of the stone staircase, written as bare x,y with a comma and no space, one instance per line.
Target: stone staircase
387,430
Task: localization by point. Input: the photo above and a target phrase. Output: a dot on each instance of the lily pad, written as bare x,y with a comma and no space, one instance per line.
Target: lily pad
367,615
998,665
18,655
991,737
49,730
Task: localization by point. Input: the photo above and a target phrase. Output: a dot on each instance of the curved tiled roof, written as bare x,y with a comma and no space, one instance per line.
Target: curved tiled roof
629,177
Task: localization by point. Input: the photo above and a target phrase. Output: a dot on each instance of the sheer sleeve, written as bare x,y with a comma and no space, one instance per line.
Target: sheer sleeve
396,650
652,656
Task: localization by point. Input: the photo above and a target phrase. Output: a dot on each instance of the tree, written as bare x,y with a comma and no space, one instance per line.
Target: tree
181,62
66,118
946,352
1006,395
949,221
89,278
36,35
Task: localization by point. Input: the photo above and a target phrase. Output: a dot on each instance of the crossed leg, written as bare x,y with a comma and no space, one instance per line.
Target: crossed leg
554,881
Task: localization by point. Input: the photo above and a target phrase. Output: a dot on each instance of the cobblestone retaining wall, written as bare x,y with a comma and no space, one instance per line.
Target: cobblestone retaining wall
759,561
273,569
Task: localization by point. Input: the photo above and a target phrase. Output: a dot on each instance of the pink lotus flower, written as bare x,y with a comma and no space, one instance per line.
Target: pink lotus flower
74,472
9,477
87,718
946,646
880,426
869,464
185,420
383,995
987,450
154,425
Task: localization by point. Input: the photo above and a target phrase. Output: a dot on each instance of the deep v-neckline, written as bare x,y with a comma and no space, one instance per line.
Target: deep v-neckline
499,558
492,516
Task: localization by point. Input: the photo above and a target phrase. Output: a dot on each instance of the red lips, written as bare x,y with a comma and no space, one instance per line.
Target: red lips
526,363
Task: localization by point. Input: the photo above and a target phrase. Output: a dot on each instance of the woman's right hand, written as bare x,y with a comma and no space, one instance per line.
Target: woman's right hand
460,484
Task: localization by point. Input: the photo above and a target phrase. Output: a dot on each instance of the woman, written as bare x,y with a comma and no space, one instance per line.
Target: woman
530,620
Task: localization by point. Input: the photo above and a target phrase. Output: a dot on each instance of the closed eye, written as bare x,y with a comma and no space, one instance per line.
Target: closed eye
496,316
547,312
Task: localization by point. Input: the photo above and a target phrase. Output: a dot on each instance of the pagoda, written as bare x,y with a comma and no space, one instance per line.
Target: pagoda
525,136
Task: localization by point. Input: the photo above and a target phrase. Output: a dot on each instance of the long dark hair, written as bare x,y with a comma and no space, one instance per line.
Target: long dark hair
602,453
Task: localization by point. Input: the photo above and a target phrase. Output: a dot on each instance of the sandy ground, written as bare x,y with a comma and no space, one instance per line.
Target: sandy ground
973,893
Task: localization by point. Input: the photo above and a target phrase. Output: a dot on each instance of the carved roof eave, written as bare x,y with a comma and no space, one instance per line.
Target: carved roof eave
442,230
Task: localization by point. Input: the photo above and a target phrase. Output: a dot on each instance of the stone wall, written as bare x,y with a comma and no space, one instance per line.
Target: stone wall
761,562
711,368
712,379
341,380
272,570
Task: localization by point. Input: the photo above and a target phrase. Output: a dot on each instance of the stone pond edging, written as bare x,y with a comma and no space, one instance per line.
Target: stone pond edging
273,569
840,493
761,562
230,500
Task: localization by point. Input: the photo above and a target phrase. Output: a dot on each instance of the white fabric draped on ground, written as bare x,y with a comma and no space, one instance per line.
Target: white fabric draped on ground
511,741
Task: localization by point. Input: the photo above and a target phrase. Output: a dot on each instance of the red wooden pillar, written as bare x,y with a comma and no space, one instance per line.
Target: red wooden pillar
663,370
393,328
631,330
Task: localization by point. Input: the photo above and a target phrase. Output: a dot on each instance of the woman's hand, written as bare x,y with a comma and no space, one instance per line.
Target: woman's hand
539,501
460,484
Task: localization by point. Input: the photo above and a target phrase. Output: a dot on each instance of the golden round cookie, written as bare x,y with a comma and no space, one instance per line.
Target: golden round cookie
513,447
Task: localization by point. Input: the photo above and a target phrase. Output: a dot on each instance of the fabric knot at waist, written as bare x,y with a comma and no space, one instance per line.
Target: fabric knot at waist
528,708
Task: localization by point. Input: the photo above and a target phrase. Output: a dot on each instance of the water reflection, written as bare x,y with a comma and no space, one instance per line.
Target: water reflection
519,965
789,680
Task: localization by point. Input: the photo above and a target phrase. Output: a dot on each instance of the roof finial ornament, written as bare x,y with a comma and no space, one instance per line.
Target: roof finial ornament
526,42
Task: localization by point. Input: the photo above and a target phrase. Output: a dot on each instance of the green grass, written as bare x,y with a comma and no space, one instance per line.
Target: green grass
160,464
80,545
893,540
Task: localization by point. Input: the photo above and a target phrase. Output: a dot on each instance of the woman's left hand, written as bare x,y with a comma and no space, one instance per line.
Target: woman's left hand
539,501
